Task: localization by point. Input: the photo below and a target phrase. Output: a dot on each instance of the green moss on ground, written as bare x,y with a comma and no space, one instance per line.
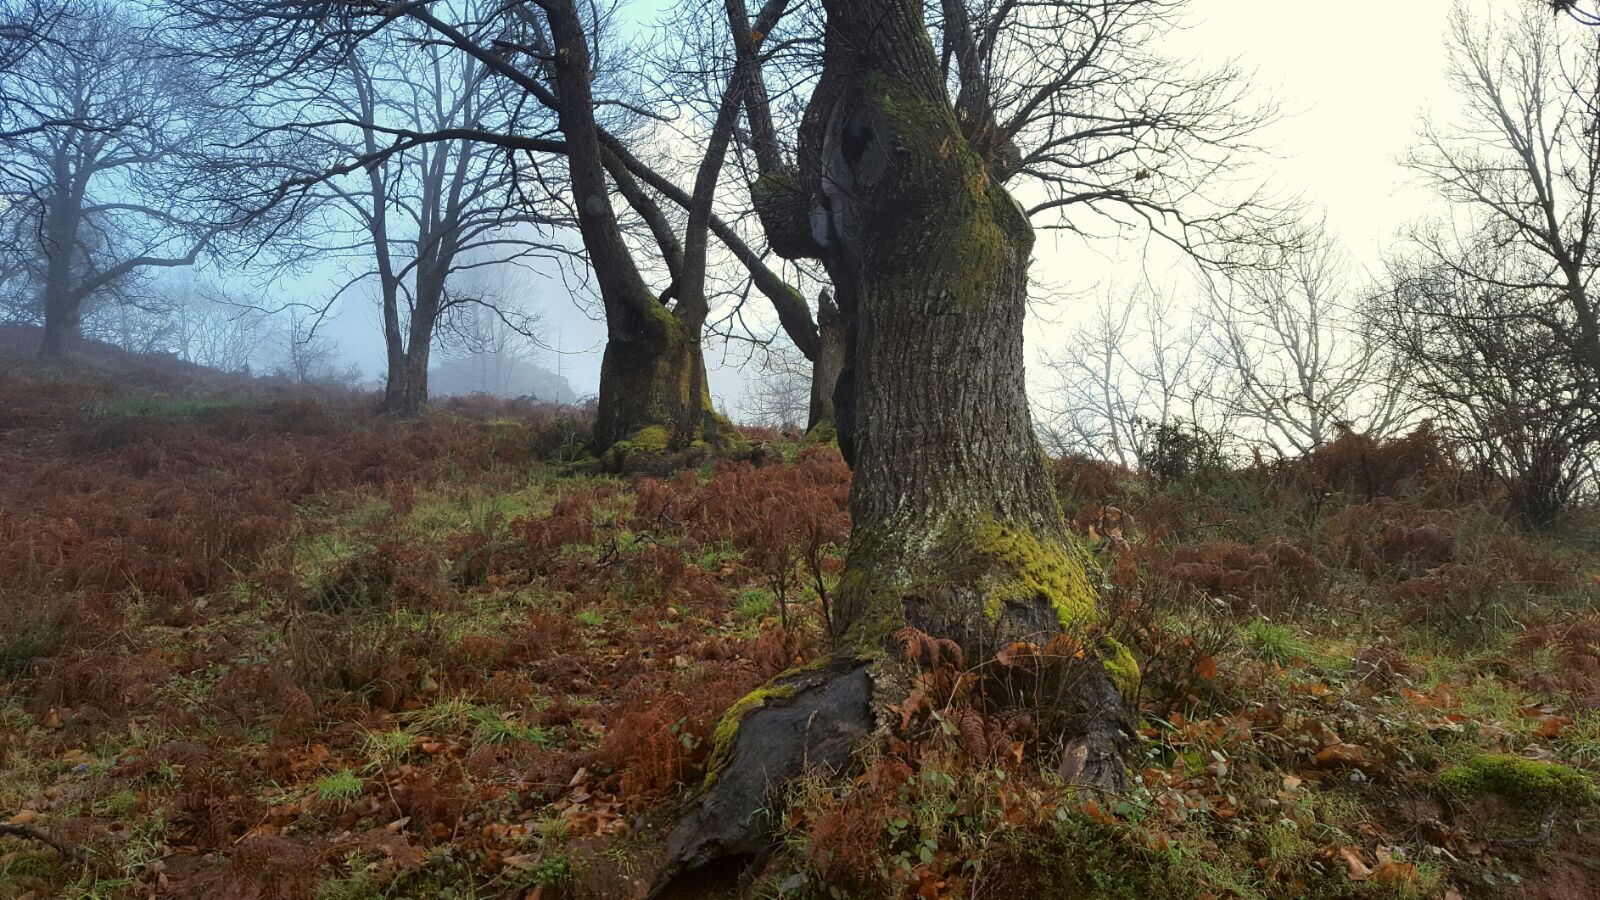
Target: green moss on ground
1531,785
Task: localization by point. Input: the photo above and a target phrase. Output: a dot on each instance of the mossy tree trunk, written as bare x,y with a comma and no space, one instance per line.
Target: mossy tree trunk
652,377
957,530
653,381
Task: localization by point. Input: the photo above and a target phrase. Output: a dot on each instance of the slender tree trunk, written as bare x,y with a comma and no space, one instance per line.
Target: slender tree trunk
826,367
956,528
394,345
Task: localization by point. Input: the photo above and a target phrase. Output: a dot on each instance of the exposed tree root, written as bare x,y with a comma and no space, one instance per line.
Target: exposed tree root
27,832
815,720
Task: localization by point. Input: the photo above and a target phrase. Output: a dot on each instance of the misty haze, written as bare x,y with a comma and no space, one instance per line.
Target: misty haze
838,449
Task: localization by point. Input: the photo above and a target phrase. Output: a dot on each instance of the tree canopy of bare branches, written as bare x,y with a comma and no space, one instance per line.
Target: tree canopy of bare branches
1298,365
108,159
1492,303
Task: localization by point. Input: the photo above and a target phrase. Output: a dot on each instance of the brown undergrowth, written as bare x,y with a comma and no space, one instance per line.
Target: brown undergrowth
261,645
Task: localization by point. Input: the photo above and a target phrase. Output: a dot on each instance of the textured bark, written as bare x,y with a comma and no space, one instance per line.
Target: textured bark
61,319
406,387
653,389
61,305
826,365
957,530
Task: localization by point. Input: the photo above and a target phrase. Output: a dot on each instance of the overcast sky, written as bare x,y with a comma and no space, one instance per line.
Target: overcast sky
1352,80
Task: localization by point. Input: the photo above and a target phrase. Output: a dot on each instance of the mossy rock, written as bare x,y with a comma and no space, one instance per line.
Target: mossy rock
1530,786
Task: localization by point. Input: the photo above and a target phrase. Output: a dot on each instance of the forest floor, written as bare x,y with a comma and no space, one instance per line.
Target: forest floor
257,645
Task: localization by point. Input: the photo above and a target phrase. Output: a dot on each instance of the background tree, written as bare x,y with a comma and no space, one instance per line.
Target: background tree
107,152
1298,366
217,327
780,396
305,355
376,140
1137,367
1492,302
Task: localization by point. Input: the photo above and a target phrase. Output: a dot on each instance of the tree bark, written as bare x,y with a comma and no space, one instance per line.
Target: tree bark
956,528
826,365
62,308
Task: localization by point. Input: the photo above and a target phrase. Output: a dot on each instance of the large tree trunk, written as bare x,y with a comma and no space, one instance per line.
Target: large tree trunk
653,389
62,309
61,325
394,345
406,390
957,530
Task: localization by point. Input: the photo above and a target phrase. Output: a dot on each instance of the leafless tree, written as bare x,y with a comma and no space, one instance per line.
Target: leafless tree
306,355
779,396
104,153
489,341
1136,368
25,27
1299,366
392,167
1492,304
216,326
559,58
1098,128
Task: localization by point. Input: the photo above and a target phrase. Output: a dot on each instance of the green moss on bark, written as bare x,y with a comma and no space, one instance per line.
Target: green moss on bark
966,216
883,611
774,185
727,729
1023,569
1121,665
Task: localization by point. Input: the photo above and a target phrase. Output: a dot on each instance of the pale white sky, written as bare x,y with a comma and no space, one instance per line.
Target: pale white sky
1352,81
1353,78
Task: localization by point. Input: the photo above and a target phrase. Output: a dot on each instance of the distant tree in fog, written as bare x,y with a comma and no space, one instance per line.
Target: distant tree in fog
1136,367
219,328
105,152
780,394
389,170
1298,364
307,355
